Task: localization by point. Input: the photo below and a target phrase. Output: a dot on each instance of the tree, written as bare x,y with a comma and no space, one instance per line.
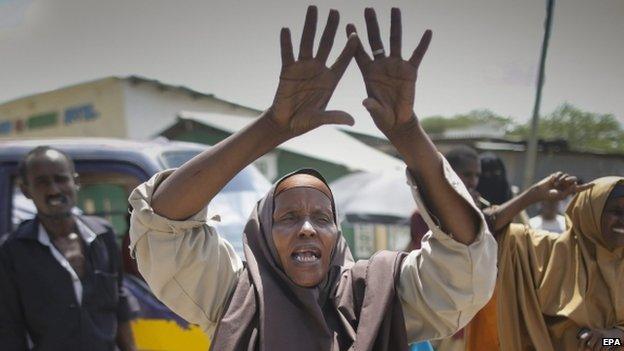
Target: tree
584,131
439,124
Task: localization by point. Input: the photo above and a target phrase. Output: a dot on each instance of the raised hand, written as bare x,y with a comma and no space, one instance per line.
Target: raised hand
558,186
306,85
390,80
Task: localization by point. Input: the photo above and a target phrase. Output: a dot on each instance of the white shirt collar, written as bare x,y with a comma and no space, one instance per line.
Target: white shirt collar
85,232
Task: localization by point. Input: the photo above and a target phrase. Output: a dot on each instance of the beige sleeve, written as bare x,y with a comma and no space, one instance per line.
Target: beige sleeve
187,265
445,283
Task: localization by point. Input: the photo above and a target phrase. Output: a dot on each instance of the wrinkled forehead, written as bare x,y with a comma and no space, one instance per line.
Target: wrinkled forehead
304,180
301,198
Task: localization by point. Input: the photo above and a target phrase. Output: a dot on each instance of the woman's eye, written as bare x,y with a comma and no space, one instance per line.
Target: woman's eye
288,217
324,219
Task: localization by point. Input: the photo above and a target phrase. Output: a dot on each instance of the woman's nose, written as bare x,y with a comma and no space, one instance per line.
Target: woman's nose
307,229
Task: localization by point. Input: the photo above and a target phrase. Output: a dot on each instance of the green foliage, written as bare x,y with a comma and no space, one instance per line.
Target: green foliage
584,131
581,129
439,124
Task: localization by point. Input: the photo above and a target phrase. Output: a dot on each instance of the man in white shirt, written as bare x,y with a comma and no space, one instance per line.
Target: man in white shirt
549,218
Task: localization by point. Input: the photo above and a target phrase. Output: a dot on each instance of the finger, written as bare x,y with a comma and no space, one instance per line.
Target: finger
374,38
554,179
567,182
395,33
307,37
332,117
327,39
560,181
421,49
350,49
593,343
590,341
583,339
286,47
570,179
583,187
581,345
361,57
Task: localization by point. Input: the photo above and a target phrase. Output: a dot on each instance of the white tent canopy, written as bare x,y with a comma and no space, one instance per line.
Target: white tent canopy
326,143
374,193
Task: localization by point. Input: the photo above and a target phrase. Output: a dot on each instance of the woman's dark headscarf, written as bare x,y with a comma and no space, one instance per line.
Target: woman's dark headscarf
493,184
357,305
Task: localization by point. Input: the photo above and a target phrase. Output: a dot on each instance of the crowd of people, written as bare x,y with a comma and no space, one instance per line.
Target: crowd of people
478,275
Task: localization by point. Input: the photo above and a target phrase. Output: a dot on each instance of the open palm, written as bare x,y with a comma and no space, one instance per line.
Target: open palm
306,85
390,80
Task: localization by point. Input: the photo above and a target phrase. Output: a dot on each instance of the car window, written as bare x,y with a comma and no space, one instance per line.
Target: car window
105,194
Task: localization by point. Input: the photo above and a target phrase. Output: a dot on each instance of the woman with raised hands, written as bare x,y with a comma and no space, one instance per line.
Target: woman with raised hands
299,287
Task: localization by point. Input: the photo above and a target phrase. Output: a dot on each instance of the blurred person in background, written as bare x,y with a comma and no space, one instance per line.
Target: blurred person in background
60,275
300,289
465,162
493,184
549,218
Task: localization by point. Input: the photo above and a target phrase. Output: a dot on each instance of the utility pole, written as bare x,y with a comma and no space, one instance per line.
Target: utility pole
531,155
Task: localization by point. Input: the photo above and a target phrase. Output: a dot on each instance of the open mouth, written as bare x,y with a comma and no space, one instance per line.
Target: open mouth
619,230
306,255
56,201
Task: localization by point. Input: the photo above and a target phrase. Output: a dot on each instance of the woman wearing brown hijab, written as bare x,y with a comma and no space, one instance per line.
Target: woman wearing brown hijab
562,292
299,289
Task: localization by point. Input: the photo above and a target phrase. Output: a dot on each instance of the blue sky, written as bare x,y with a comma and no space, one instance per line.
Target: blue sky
484,53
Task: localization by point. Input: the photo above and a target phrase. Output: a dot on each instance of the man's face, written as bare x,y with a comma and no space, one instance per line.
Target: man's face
612,222
304,234
550,209
469,173
51,184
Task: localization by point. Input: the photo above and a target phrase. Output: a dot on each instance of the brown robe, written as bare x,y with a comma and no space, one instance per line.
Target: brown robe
551,285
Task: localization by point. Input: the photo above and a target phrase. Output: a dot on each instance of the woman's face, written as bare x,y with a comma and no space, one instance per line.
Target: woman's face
612,222
304,234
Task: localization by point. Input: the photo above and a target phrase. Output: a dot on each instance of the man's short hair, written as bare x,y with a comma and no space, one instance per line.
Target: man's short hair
460,155
22,167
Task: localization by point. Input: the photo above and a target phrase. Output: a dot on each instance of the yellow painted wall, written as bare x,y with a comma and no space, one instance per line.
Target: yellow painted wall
104,96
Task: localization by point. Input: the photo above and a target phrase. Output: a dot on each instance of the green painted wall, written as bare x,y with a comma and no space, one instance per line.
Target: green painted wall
109,201
209,137
288,162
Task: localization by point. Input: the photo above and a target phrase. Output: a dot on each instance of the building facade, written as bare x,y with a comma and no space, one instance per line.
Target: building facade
121,107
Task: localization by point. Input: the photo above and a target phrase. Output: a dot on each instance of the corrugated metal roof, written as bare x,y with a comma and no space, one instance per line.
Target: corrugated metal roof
326,143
